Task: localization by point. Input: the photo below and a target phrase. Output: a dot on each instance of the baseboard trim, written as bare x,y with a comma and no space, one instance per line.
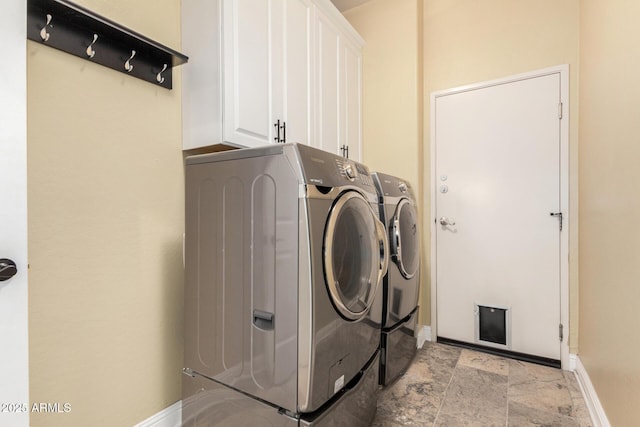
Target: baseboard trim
168,417
598,416
423,334
572,362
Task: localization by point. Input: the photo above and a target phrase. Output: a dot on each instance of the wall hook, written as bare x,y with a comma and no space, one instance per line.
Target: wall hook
159,77
128,66
90,51
43,32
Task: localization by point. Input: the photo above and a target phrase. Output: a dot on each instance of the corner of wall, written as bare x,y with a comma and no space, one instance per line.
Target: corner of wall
423,333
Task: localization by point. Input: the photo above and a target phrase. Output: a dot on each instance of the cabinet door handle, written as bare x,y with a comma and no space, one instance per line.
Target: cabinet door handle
347,148
284,132
277,126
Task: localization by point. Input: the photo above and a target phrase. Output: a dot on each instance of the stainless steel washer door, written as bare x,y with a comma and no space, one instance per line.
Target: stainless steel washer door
355,255
405,246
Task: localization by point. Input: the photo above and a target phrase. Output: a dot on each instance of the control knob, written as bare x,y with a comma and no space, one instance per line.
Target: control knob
349,172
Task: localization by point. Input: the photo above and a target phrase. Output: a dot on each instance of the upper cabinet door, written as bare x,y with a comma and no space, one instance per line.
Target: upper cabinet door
328,89
339,85
249,42
351,99
298,73
269,71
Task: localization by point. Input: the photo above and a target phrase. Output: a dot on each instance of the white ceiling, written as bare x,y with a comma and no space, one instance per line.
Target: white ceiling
343,5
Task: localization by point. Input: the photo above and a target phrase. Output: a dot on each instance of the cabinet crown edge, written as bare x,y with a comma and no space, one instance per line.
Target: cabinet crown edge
338,18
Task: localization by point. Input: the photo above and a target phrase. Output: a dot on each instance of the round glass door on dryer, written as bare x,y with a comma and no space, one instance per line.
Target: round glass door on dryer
352,255
405,240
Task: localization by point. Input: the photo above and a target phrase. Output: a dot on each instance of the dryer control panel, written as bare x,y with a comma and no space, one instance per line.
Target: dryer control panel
391,186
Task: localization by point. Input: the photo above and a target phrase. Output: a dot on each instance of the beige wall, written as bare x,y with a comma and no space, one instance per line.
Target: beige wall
392,90
105,231
610,204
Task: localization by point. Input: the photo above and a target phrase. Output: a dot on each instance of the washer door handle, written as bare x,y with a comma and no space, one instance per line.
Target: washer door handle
263,319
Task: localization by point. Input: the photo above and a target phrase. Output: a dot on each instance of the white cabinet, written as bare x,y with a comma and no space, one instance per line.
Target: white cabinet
267,73
202,75
328,87
299,72
351,102
339,87
249,77
257,74
250,83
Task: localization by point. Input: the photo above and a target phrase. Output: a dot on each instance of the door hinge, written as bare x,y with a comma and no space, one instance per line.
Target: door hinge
559,215
560,110
561,332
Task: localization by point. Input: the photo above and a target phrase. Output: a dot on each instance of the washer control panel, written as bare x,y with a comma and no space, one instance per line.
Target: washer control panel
354,172
349,172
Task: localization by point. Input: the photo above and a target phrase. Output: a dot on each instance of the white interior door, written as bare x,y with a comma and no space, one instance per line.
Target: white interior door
497,181
14,367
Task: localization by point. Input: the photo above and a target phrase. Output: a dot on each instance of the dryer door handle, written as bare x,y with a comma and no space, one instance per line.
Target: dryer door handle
384,249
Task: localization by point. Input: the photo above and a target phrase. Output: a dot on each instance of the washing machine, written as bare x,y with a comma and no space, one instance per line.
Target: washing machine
284,257
401,284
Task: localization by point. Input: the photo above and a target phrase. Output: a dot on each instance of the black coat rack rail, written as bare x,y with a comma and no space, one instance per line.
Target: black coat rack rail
73,29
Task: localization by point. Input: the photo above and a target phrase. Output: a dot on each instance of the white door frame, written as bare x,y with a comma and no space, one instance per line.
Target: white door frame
14,331
563,70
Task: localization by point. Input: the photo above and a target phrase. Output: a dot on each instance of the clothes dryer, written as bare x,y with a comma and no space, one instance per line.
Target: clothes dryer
398,210
285,254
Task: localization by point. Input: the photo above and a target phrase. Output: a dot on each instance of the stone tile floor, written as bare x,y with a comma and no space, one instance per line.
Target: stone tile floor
450,386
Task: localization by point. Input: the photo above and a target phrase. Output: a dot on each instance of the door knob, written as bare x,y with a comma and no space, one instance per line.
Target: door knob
8,269
446,221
